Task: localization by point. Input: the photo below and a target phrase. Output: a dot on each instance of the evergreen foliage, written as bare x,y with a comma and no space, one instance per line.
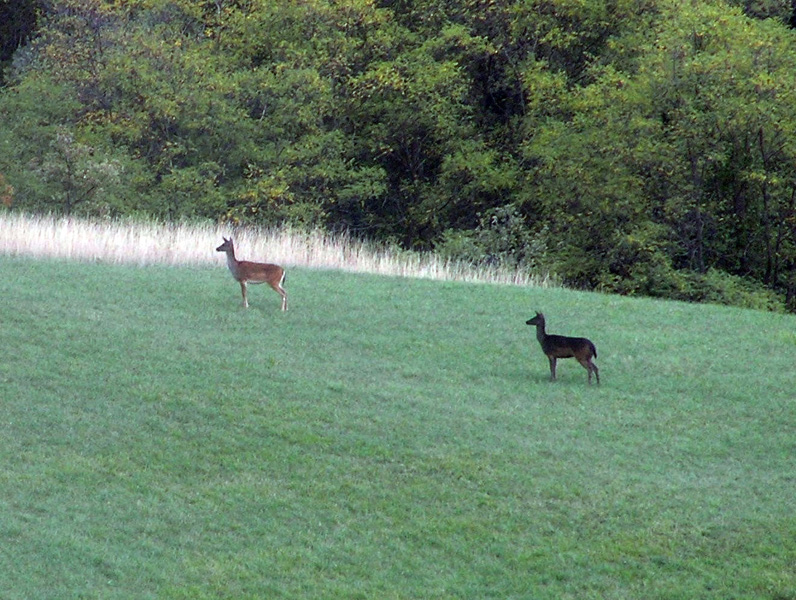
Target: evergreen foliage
642,147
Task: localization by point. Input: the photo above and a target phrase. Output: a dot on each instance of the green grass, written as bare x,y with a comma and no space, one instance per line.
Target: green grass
385,438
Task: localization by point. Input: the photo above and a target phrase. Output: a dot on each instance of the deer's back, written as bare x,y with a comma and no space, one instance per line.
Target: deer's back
254,272
560,346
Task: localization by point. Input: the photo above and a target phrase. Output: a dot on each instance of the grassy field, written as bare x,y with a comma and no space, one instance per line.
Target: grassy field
386,438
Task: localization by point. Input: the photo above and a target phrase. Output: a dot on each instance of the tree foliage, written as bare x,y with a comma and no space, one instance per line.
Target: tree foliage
639,147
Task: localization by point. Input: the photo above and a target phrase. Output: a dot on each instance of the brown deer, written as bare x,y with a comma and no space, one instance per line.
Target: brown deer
246,272
559,346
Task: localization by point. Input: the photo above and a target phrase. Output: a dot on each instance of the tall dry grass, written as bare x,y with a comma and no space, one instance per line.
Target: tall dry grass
142,243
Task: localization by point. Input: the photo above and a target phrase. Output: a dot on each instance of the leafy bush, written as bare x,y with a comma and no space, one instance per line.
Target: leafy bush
501,239
641,265
718,287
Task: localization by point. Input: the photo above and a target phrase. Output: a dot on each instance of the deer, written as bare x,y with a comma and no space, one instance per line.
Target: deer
246,272
560,346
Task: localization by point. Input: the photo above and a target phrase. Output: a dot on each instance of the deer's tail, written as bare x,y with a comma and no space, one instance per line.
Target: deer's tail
593,349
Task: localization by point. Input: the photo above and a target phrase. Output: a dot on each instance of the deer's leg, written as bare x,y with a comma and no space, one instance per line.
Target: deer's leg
281,291
586,364
243,291
552,367
590,367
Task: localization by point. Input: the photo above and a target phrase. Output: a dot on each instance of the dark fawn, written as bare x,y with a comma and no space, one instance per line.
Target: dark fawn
560,346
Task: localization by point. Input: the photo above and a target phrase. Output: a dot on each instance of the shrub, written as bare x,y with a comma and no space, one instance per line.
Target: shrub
501,239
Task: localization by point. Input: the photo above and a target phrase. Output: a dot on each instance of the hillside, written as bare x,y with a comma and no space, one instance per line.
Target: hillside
387,437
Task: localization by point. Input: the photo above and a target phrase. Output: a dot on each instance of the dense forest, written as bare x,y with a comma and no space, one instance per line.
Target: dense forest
631,146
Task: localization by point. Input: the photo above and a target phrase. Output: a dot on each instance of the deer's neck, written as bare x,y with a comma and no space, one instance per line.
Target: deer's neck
540,333
232,262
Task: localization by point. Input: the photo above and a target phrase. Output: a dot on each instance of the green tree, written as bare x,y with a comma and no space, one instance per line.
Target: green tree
77,175
720,84
18,23
641,147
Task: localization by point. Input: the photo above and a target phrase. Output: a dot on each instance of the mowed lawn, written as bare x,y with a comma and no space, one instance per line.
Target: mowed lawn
385,438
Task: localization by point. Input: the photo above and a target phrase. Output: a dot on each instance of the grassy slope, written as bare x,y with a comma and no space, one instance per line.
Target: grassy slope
386,438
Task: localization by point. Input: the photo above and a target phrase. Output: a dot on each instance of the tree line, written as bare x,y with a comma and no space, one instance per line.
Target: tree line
632,146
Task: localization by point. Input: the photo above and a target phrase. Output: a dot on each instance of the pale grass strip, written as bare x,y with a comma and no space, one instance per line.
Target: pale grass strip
144,243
